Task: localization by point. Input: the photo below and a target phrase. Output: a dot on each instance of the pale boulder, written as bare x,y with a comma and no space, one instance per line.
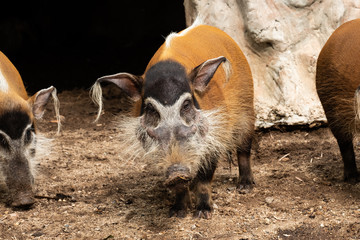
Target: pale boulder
281,40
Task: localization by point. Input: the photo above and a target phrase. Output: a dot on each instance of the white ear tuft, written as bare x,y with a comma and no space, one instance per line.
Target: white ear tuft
96,97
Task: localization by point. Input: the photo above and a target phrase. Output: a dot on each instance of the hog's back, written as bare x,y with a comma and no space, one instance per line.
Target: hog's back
12,77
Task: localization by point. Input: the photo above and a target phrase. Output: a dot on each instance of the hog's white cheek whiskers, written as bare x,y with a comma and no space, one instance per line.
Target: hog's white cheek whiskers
39,149
133,139
3,164
196,151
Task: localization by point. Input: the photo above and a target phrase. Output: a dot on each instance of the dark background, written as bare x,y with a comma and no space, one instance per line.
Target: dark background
70,45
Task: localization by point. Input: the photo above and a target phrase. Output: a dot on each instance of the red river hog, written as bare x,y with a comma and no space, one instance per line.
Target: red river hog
188,112
337,82
19,141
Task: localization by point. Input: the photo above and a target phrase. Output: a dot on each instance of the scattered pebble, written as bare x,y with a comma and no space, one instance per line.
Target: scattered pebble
267,221
37,234
269,200
13,216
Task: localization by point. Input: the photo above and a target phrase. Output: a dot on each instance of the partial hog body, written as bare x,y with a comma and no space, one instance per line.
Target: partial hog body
193,105
18,138
337,82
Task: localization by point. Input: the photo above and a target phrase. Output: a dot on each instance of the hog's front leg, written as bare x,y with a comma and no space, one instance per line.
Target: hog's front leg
182,202
178,180
202,189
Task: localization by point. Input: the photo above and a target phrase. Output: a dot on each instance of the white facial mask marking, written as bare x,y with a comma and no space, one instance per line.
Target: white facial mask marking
170,114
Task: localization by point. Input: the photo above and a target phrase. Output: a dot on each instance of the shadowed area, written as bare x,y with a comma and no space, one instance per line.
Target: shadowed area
70,45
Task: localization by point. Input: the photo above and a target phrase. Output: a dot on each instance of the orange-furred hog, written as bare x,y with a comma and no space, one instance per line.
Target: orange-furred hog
337,82
193,105
19,141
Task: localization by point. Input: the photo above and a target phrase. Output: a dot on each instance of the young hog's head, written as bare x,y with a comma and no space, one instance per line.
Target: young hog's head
18,141
171,125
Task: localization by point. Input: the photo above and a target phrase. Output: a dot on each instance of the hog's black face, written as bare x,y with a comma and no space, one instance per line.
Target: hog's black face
169,110
166,81
17,149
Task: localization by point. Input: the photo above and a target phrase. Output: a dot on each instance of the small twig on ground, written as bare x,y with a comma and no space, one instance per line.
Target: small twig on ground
283,157
299,179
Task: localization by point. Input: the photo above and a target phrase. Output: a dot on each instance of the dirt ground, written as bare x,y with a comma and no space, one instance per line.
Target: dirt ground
83,190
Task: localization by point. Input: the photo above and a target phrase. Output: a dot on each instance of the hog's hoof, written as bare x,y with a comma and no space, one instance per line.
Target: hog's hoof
245,186
175,212
352,177
23,201
205,214
203,210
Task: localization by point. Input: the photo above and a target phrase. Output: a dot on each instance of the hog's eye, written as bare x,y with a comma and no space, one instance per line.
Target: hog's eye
28,135
152,117
3,142
187,111
186,105
149,108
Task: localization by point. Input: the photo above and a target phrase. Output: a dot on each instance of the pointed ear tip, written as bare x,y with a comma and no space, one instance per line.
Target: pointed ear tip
49,89
222,58
99,80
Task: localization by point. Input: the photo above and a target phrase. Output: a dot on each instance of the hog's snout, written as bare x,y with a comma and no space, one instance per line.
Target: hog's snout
19,181
177,175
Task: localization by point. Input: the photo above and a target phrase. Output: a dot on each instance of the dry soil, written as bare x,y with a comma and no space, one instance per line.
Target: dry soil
83,190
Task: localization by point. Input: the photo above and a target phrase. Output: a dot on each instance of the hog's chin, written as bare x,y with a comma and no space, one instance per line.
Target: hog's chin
209,139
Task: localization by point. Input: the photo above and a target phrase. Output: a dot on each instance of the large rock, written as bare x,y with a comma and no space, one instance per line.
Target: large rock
281,40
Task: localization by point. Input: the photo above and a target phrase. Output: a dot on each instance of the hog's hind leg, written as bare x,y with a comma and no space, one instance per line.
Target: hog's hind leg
246,179
345,142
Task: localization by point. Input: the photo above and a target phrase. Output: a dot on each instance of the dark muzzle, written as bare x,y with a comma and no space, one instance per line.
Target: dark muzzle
177,175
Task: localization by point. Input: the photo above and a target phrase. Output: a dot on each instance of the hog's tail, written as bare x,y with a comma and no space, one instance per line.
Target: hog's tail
57,109
96,97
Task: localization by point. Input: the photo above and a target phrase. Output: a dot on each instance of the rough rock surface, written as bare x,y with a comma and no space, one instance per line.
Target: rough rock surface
281,40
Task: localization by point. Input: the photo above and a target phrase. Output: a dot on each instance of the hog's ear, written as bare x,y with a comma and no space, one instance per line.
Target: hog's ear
202,74
39,100
128,83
